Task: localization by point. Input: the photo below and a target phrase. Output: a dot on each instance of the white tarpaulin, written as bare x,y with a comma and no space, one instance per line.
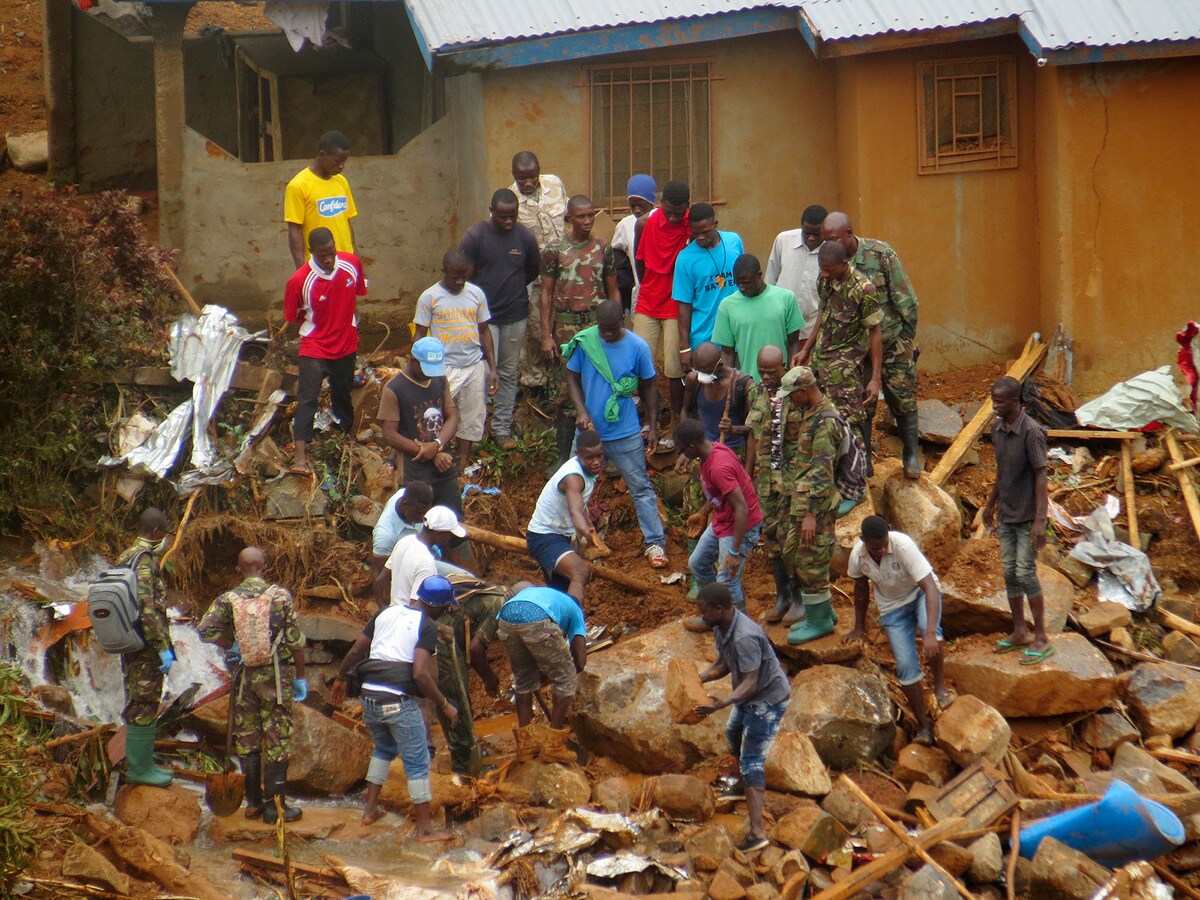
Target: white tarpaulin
1123,573
1149,397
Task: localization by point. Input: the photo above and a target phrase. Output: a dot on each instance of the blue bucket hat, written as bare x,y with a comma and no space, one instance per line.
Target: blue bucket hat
642,186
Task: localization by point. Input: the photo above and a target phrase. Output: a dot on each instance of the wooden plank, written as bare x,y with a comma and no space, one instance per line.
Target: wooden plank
271,864
1186,486
1034,355
1086,434
892,860
980,794
1178,623
1131,516
1186,464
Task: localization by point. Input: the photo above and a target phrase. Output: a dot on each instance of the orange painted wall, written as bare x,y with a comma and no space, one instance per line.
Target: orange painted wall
1118,178
772,128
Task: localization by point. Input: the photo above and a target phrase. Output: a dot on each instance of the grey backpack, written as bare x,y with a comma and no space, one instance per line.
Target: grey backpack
115,610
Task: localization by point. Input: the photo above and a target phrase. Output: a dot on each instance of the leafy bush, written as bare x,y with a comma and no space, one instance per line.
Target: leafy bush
81,292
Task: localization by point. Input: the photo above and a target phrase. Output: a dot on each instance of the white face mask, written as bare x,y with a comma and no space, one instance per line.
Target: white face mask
706,377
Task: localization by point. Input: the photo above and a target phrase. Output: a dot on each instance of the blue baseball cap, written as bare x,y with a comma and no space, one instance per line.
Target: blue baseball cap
642,186
436,590
430,353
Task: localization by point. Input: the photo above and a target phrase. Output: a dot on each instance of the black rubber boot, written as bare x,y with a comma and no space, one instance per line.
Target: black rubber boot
866,439
564,437
910,436
275,785
783,590
252,770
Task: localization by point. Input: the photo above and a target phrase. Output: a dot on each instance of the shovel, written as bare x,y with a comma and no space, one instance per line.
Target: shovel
224,791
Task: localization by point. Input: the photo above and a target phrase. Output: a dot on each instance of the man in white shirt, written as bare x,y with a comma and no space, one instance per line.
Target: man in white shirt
793,263
909,601
412,559
402,515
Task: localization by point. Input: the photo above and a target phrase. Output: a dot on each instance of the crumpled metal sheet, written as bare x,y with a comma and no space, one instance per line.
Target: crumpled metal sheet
1129,405
1123,573
625,862
158,453
205,352
261,425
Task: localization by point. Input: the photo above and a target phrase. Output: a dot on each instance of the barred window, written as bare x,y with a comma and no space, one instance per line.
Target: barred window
653,119
968,115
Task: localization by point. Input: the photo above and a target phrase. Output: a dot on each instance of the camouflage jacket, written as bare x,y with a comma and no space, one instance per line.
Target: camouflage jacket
848,310
809,470
772,448
218,621
480,608
578,272
897,300
156,628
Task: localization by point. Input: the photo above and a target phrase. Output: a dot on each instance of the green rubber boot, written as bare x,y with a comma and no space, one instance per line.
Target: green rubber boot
139,757
818,621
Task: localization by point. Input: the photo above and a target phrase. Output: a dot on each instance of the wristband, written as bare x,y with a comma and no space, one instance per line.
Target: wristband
438,441
686,350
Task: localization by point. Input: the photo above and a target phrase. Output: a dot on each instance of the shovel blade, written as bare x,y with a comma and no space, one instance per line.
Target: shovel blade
224,792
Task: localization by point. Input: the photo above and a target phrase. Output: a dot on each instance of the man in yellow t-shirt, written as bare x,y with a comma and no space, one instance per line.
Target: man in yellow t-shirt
319,197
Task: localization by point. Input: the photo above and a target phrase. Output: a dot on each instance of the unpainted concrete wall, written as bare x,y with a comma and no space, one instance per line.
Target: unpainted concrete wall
236,251
772,129
1117,187
968,240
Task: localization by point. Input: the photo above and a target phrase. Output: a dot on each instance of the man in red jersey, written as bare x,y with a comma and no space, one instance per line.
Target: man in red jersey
320,297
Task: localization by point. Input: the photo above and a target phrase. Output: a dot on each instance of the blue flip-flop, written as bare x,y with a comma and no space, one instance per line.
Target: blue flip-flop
1033,657
1007,646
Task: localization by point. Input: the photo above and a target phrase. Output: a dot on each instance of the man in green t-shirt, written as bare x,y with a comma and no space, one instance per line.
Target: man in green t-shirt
756,315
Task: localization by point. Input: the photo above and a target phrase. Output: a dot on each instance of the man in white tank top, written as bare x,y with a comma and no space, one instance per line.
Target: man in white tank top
561,514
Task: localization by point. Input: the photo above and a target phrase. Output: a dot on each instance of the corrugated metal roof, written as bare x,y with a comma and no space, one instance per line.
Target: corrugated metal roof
447,25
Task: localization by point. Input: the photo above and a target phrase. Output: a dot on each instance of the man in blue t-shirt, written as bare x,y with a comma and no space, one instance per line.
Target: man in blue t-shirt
543,633
703,278
604,401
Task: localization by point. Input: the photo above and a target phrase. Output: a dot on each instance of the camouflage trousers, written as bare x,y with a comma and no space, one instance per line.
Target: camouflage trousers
899,375
143,686
844,381
260,718
810,565
466,755
533,368
773,505
566,326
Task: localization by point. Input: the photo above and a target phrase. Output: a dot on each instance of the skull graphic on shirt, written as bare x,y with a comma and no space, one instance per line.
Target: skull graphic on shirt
432,421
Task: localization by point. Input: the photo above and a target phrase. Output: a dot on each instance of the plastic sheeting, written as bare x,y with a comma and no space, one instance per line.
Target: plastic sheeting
1138,402
1123,573
157,455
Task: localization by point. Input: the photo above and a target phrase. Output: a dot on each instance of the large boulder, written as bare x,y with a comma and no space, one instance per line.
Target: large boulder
171,814
937,422
846,713
974,600
1065,874
82,863
1077,678
327,758
793,765
683,797
535,783
1164,699
970,730
621,708
919,508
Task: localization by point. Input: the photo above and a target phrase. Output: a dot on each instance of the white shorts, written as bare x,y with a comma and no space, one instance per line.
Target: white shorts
468,387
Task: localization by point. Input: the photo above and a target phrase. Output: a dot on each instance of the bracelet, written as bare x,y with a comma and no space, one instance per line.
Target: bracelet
686,350
438,441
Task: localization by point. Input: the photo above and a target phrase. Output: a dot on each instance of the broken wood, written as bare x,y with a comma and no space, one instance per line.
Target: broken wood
1179,756
1090,434
1135,539
902,835
1032,357
1178,623
252,860
183,292
892,860
1186,486
81,736
980,794
1175,881
1186,464
246,377
1013,852
517,545
187,514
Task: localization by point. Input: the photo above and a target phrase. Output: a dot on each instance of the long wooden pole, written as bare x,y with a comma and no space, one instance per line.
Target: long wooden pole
903,835
1135,539
512,544
192,304
1013,853
1186,486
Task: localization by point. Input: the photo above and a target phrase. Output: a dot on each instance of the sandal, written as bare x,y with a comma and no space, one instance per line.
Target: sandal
1033,657
945,700
1007,646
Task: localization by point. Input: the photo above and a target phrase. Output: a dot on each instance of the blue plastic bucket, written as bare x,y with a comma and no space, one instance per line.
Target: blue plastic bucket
1120,827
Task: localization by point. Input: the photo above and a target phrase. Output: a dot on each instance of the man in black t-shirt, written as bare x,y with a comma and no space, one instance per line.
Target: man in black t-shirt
419,419
506,260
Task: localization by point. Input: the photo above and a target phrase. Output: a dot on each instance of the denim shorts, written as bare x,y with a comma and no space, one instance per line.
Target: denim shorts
751,732
904,627
398,729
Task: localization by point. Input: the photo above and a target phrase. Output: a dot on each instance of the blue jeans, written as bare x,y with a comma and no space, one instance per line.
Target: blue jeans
707,561
751,731
1019,559
398,729
629,456
904,627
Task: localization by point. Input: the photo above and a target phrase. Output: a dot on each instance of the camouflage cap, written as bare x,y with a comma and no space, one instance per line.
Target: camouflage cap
797,378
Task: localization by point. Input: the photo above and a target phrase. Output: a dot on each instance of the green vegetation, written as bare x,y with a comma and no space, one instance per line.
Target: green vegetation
18,829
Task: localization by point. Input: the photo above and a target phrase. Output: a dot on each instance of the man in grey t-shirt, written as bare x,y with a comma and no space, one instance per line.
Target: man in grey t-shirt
759,699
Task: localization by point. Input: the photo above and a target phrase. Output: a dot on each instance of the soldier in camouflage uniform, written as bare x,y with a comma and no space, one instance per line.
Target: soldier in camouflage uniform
578,273
813,499
898,303
146,669
478,605
846,334
262,695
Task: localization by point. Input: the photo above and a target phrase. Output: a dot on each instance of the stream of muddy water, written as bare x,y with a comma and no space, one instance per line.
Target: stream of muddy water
93,679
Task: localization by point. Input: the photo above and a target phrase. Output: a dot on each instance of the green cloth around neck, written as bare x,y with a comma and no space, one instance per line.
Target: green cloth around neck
591,343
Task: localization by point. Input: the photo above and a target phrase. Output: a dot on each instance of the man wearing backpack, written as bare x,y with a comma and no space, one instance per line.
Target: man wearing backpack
146,669
256,624
810,472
